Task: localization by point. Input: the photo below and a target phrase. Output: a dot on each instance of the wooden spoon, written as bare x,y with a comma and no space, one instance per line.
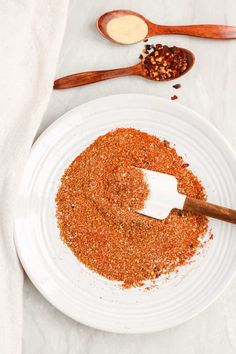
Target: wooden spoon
204,31
90,77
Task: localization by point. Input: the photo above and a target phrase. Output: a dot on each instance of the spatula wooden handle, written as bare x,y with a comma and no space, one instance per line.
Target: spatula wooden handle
215,211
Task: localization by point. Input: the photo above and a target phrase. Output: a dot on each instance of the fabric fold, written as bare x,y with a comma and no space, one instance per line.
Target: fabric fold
31,35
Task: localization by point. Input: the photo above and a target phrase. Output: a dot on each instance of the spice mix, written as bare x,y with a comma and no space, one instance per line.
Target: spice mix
96,207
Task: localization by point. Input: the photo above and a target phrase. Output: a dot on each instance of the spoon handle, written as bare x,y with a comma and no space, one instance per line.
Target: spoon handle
215,211
204,31
90,77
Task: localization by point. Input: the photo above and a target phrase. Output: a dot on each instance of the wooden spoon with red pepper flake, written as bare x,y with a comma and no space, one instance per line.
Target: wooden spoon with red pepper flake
163,63
152,29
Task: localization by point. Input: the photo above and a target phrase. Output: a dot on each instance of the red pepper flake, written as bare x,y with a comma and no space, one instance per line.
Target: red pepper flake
105,189
185,165
148,47
176,86
164,63
174,97
166,143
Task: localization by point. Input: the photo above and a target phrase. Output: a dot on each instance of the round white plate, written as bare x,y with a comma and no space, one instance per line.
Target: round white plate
69,285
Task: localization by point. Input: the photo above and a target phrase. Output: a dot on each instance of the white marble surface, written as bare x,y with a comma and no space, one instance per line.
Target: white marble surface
209,89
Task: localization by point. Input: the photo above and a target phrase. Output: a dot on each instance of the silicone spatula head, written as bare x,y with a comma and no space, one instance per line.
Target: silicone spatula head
163,195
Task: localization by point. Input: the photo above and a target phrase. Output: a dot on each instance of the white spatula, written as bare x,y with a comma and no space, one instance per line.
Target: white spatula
163,197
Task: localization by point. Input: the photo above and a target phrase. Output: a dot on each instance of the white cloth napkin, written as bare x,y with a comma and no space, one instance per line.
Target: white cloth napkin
31,32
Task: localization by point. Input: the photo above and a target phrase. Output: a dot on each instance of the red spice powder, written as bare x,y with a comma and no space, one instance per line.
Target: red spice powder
96,203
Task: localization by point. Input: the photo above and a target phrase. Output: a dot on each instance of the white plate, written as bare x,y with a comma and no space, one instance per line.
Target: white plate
68,284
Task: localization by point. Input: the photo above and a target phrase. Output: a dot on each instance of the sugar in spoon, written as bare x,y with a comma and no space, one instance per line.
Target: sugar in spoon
127,27
183,62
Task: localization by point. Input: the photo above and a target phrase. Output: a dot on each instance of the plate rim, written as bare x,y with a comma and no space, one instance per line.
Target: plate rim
47,131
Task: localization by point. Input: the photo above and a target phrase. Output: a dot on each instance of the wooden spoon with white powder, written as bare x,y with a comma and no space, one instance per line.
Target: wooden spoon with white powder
127,27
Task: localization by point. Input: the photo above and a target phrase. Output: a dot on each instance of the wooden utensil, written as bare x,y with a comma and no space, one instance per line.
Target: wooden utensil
163,197
204,31
90,77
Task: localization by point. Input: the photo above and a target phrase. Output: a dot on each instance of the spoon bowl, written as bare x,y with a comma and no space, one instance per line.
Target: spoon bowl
103,21
152,29
191,61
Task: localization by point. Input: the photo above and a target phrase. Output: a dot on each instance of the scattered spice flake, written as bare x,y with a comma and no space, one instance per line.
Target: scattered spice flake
176,86
145,40
174,97
103,230
141,57
166,143
148,47
150,287
185,165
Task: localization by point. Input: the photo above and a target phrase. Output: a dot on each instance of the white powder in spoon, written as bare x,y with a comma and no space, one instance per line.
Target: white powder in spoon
127,29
